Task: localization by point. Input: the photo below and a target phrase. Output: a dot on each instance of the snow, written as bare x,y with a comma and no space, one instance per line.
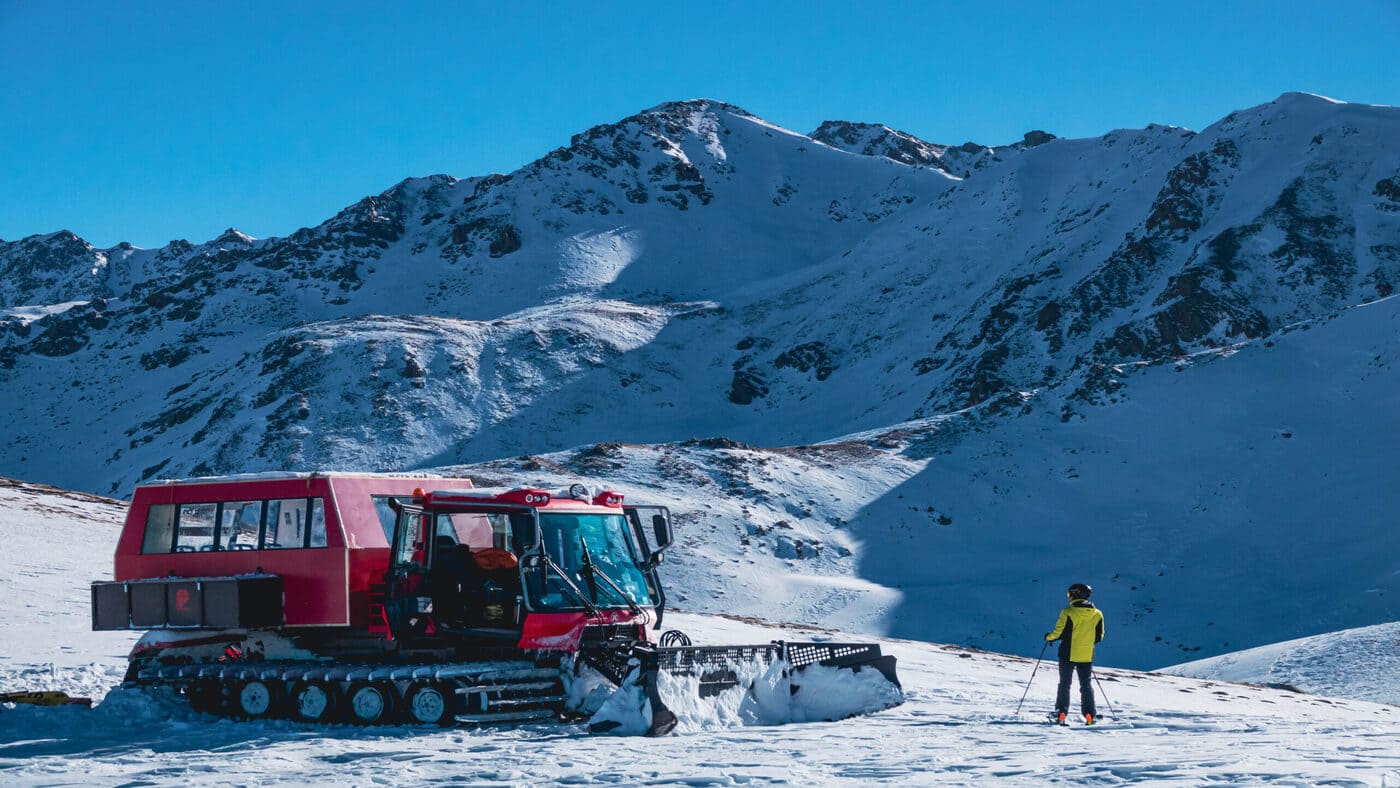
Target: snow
1361,664
956,726
25,315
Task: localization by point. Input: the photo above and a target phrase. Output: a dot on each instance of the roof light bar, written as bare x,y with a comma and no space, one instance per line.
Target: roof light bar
608,498
526,495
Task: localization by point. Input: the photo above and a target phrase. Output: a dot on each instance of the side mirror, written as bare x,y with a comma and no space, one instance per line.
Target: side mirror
661,527
524,532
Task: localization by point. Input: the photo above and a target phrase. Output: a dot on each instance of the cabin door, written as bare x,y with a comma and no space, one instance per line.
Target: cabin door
407,601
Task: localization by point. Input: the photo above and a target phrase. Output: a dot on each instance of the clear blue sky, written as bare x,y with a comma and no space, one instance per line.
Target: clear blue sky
149,121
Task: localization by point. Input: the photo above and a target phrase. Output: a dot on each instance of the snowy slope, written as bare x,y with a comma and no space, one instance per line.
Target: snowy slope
957,727
1360,664
1204,528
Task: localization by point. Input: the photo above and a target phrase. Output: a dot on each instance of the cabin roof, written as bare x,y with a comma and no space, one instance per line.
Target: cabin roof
290,475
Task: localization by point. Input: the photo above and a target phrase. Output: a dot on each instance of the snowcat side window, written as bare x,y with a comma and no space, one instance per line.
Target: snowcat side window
286,524
410,549
318,524
386,513
160,529
195,528
240,524
469,528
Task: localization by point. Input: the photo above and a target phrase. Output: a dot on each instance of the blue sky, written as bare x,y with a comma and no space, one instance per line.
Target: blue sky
150,121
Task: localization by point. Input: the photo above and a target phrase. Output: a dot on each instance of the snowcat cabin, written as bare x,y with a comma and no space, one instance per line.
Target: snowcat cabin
527,563
300,550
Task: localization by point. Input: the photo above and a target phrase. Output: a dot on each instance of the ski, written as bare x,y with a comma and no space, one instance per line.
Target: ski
1063,721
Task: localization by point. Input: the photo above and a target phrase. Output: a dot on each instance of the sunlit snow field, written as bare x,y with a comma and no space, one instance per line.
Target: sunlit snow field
957,726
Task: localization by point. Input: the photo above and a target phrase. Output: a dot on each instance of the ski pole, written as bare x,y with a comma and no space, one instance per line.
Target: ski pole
1028,683
1105,696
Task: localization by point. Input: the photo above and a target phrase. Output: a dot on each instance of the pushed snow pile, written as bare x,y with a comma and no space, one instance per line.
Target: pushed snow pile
766,694
1358,664
818,693
121,709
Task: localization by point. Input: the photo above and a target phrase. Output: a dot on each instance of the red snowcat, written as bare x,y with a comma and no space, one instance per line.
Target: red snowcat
378,599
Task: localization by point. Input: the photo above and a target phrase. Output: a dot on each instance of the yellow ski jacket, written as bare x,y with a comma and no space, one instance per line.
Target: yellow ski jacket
1079,627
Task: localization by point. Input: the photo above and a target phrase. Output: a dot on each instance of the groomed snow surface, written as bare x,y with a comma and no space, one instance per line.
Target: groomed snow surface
956,727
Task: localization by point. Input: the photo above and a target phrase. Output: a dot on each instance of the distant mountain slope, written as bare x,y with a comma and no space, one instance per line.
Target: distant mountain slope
761,273
652,214
1218,502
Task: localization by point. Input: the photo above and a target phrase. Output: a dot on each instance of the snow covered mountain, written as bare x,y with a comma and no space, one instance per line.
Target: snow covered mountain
1140,360
958,726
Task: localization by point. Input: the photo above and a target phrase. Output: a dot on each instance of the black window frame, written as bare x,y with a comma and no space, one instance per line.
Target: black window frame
312,503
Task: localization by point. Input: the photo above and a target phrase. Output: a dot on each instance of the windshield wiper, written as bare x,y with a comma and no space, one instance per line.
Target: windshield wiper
574,590
594,572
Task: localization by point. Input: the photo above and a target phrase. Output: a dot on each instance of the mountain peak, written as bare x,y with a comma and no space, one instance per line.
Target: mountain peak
64,237
233,236
874,139
1302,97
696,105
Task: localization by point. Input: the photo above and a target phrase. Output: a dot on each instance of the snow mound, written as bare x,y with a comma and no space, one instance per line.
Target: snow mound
1357,664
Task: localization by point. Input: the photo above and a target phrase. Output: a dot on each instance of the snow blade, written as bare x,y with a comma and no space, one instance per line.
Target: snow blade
769,684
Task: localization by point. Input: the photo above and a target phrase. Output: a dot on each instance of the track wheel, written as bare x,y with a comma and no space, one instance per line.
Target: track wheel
255,699
313,701
370,703
430,704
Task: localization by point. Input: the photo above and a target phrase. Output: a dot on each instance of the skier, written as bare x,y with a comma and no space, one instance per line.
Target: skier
1078,628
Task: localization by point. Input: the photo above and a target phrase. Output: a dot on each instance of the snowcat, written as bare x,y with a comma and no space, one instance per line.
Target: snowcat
376,599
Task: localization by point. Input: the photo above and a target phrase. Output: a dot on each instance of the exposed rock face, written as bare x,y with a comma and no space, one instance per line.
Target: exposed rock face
869,139
1036,137
687,270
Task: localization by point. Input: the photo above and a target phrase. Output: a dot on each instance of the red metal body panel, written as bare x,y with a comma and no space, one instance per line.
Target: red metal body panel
323,586
563,631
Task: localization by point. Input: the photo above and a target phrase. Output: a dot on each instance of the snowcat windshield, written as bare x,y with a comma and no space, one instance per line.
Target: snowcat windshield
572,540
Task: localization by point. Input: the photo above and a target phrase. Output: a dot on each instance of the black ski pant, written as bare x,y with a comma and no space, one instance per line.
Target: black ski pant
1086,687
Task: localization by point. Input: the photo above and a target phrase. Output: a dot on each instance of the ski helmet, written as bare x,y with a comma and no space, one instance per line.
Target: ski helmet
1080,591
